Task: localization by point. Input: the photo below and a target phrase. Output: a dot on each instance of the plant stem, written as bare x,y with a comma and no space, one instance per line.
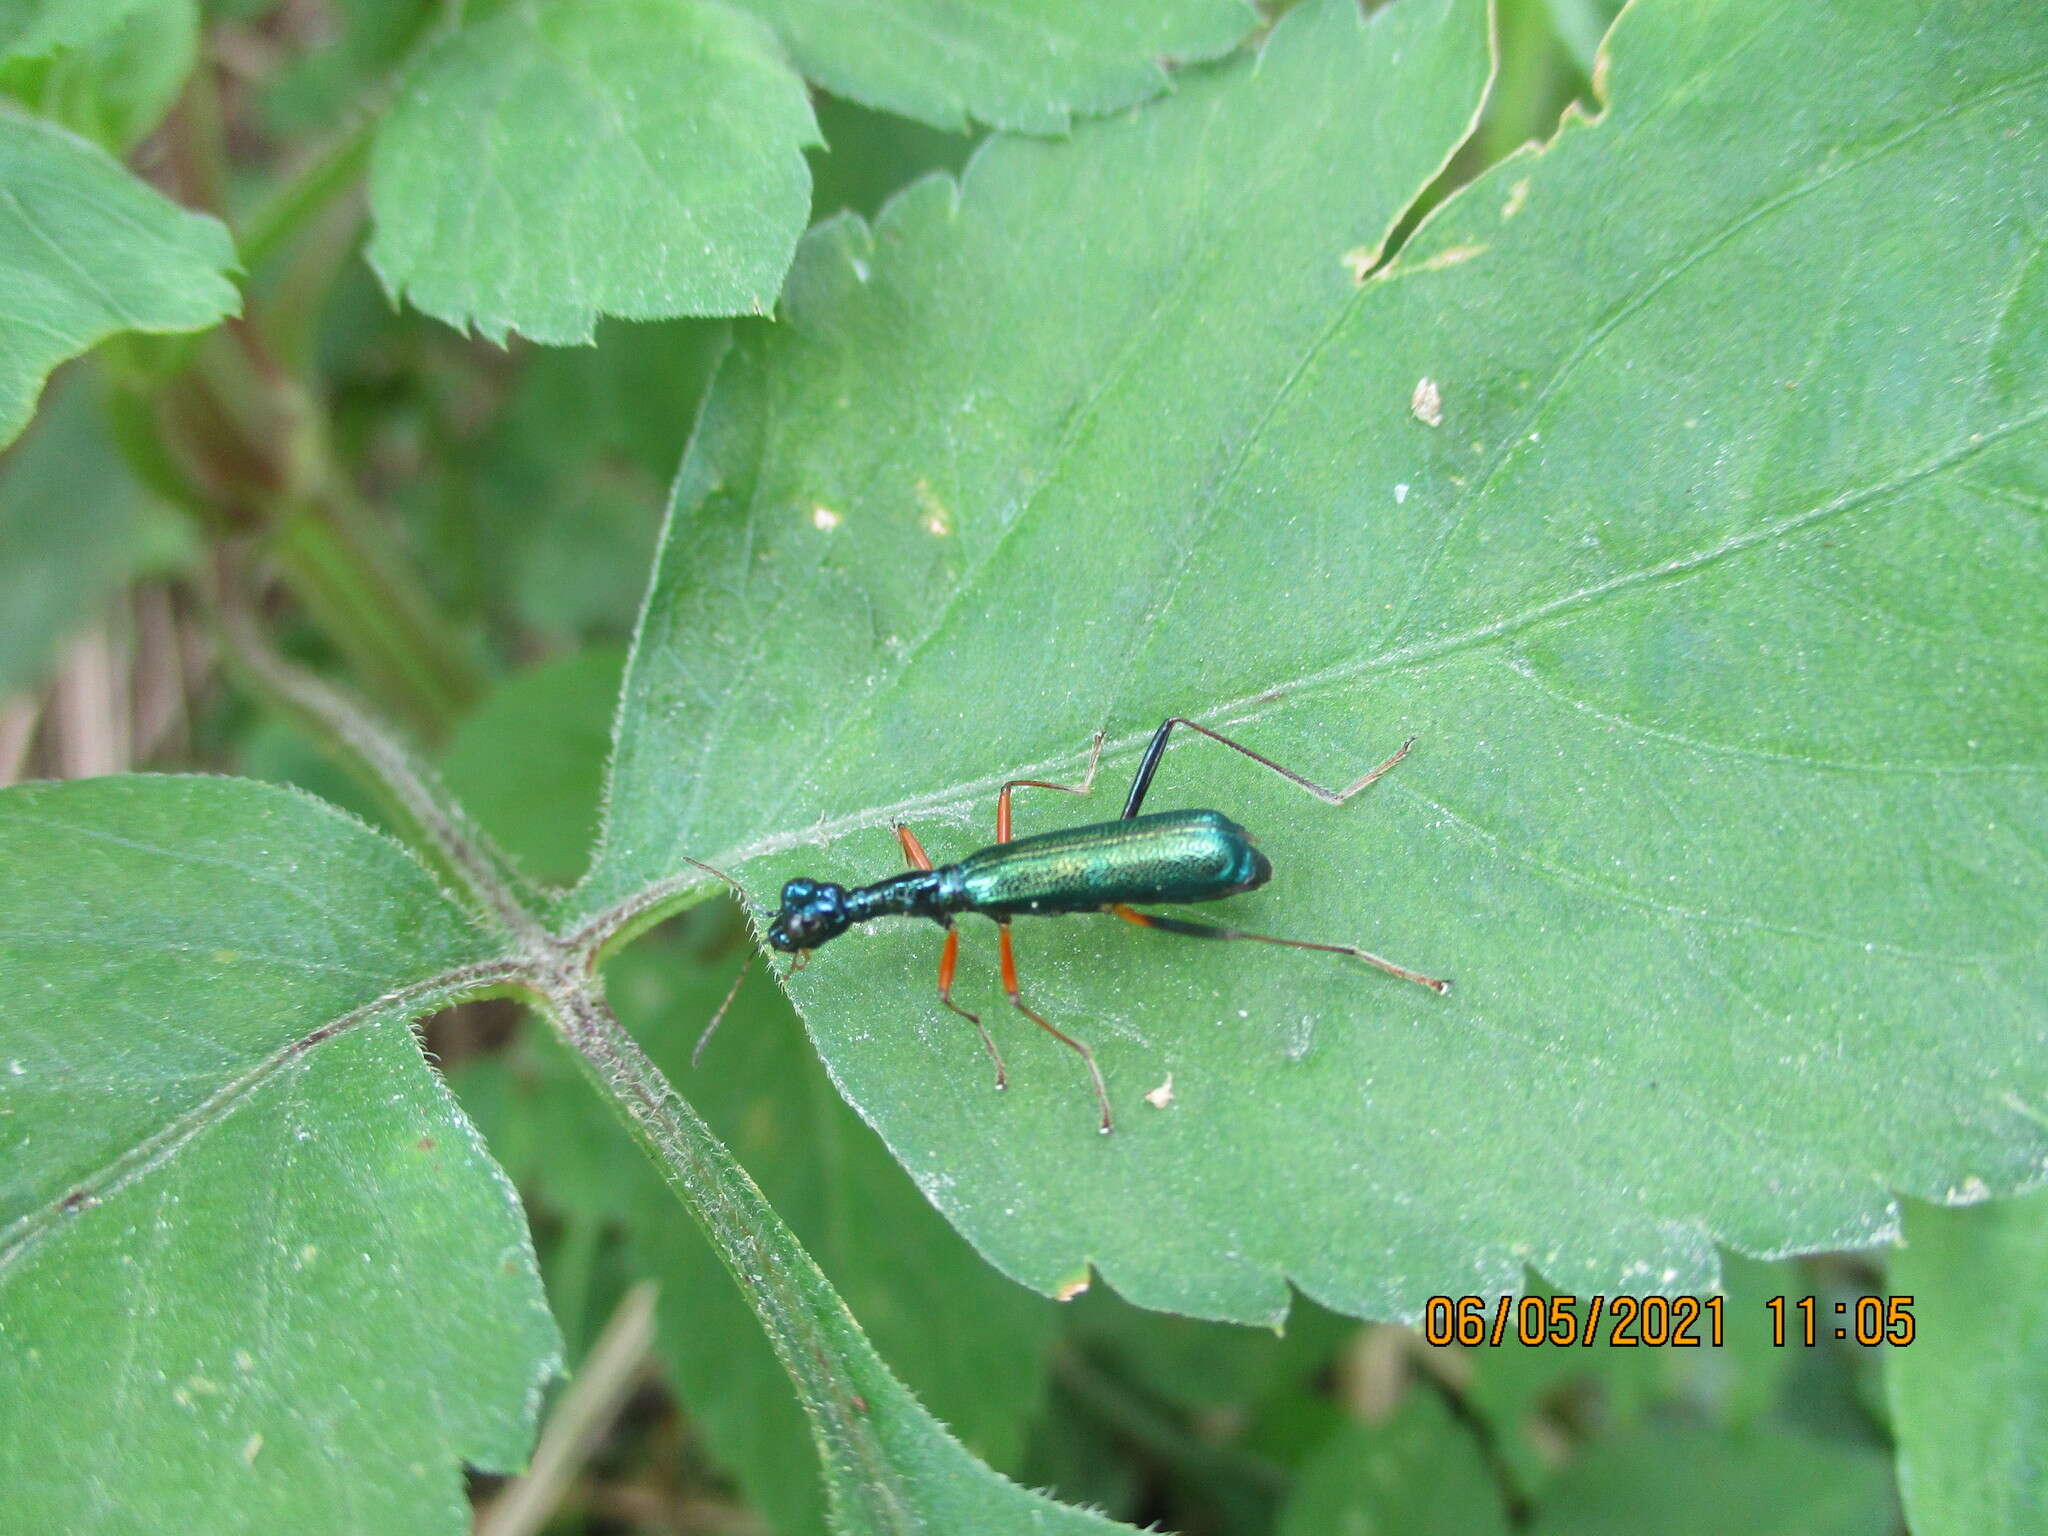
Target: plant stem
839,1379
852,1400
253,439
251,442
430,820
296,296
365,599
300,199
195,138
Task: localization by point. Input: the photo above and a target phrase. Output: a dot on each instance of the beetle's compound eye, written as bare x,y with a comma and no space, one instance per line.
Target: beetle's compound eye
812,912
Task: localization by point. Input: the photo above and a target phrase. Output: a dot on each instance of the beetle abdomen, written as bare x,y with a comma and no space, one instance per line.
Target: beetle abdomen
1168,856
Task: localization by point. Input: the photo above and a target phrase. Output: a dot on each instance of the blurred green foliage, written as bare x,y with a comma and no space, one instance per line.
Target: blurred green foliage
515,495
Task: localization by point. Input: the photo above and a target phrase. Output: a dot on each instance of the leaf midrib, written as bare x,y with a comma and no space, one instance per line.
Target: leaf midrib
148,1153
664,892
1512,443
1396,657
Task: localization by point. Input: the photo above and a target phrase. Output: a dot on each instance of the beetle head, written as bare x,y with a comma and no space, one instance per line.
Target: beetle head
812,912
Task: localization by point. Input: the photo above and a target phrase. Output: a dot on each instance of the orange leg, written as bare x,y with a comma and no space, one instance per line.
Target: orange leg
1009,960
1003,799
1210,931
949,958
913,850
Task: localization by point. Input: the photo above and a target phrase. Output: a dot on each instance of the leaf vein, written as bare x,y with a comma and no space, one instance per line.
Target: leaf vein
149,1153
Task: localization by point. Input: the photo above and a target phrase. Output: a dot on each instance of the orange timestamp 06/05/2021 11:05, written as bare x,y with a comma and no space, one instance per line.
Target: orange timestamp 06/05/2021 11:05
1659,1322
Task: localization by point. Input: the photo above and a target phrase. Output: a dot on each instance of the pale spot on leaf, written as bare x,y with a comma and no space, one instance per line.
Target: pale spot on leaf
1427,402
1449,256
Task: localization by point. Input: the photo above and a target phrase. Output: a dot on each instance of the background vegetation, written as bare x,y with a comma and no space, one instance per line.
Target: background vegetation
1653,428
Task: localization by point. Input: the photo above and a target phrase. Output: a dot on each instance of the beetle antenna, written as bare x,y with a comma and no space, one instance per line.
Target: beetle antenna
747,903
731,992
745,895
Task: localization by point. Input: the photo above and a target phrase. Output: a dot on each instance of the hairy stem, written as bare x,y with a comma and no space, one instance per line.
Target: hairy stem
838,1377
430,819
848,1393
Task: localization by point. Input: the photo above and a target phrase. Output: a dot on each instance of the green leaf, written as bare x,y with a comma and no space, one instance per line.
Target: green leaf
1419,1474
967,1341
30,28
1713,604
528,762
73,524
256,1270
550,517
842,607
1537,1400
86,250
1711,601
1966,1395
554,163
867,157
116,88
1688,1482
367,41
1025,64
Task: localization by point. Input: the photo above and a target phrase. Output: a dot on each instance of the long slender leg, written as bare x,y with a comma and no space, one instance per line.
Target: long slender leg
1010,986
949,958
1211,931
1149,765
913,850
731,992
1082,788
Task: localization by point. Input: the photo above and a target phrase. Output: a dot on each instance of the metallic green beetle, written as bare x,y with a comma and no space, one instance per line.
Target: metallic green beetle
1170,856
